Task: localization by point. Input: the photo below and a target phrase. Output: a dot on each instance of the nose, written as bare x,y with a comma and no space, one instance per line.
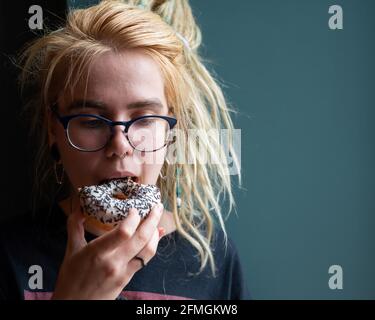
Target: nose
119,144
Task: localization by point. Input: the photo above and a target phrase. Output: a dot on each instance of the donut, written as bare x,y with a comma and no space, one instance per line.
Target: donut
110,202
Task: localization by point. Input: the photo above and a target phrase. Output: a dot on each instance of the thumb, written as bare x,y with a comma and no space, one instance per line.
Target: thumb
76,232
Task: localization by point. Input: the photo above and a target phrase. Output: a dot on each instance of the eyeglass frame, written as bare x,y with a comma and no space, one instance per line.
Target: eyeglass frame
64,120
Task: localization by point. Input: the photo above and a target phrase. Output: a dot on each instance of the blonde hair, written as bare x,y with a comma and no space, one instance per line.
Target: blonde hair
167,31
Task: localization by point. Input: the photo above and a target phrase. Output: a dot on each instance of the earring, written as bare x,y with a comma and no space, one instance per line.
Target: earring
60,179
55,154
178,188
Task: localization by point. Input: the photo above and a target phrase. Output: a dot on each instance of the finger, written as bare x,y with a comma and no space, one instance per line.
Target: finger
146,229
147,253
149,250
76,232
124,231
161,232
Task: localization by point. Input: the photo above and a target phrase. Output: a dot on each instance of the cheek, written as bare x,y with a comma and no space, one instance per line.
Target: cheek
79,166
151,163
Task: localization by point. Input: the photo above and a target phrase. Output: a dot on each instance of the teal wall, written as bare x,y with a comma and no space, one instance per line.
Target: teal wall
305,96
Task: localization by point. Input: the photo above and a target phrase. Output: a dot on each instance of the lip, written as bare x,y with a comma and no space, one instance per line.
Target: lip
118,175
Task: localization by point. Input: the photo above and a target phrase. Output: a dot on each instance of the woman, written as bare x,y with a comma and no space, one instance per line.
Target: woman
109,66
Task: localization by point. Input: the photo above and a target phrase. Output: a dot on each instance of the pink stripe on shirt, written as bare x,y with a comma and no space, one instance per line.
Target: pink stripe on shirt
130,295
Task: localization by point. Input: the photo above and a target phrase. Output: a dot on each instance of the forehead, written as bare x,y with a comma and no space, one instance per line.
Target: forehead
118,79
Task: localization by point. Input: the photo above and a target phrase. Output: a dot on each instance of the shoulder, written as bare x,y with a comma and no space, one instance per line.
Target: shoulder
15,226
22,230
23,244
223,245
15,244
230,266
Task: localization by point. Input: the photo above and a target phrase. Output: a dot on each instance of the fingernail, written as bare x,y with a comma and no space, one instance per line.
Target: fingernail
161,232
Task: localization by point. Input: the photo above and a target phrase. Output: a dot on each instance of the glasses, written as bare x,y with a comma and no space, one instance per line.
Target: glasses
89,132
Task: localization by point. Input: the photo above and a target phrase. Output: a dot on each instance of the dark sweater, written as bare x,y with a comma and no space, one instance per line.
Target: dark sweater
26,242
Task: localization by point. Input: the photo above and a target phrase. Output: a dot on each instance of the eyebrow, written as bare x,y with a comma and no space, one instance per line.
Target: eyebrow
100,105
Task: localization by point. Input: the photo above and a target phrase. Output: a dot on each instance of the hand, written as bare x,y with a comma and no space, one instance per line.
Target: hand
102,268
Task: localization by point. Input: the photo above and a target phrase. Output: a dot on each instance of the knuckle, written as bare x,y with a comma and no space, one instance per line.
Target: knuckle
110,269
124,232
98,260
143,235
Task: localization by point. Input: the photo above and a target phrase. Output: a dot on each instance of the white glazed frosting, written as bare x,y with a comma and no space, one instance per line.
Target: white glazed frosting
100,202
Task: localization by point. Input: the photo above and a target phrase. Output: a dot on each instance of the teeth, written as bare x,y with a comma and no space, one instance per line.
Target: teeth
135,179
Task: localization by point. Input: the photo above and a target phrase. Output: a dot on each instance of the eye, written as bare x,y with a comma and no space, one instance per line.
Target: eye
92,124
145,121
